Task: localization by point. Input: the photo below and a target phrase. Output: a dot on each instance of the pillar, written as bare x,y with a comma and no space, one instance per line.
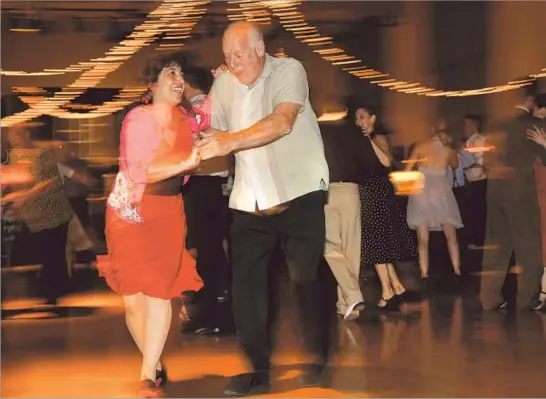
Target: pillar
516,48
408,51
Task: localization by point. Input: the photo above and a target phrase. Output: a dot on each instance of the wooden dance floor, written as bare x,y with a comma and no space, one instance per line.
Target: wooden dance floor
437,348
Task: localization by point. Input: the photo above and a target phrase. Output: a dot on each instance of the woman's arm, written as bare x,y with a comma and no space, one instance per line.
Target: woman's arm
140,141
381,148
453,161
414,158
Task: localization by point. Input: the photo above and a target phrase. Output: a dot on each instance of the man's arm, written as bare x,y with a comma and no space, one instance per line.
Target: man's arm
290,94
269,129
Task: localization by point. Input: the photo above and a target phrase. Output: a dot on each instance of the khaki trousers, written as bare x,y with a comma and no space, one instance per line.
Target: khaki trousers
343,234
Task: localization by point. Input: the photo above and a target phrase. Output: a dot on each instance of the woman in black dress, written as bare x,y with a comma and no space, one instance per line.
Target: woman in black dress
386,237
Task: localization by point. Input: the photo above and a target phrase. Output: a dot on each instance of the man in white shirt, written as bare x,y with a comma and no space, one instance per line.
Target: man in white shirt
477,180
262,112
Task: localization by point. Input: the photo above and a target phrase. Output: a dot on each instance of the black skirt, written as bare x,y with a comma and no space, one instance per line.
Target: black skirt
386,237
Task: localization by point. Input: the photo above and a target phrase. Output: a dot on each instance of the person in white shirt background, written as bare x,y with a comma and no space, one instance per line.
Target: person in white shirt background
476,180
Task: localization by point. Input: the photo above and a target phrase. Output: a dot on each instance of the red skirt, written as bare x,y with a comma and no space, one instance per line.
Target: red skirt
150,257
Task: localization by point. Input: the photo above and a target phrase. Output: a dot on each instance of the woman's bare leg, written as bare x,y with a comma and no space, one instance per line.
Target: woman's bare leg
453,247
386,289
135,318
422,239
157,325
396,284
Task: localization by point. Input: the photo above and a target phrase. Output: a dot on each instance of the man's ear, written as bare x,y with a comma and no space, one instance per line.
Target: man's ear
260,48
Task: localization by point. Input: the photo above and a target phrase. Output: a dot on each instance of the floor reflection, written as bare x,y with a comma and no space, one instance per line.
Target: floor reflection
438,348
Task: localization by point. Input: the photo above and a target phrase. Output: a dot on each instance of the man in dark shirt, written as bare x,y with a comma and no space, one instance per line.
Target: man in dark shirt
342,148
207,215
513,222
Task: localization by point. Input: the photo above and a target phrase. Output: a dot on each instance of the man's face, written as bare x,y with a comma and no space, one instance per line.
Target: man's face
244,60
189,92
540,112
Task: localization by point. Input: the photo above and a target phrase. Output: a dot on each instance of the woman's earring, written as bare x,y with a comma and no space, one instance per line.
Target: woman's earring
147,96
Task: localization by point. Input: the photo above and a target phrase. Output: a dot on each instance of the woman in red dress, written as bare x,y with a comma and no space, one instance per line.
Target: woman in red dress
147,261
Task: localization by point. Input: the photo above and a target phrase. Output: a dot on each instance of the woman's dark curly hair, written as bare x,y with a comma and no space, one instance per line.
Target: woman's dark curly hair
150,75
379,128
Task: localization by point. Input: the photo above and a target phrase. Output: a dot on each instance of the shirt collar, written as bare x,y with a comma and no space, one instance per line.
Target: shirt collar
473,137
523,108
198,97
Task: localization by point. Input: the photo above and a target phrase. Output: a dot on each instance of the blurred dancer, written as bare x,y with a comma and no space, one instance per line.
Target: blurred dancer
77,182
539,137
342,213
42,206
147,261
476,177
386,237
208,222
435,208
263,111
513,219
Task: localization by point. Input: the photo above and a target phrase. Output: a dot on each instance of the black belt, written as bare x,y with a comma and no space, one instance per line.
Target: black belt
164,190
209,177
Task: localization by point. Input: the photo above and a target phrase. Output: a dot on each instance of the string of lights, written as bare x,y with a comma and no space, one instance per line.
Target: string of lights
293,20
248,10
177,30
174,20
163,19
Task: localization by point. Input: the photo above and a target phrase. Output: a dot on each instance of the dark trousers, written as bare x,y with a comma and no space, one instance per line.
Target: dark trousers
300,230
512,226
208,216
477,211
80,206
54,279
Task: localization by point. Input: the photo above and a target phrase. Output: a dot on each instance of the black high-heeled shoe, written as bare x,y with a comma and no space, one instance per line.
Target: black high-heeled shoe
406,297
391,305
161,376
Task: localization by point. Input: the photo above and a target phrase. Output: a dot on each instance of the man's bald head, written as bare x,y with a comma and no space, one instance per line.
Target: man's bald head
244,51
243,29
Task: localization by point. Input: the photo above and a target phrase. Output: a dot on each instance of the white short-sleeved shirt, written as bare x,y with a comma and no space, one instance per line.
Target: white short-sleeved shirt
287,168
476,173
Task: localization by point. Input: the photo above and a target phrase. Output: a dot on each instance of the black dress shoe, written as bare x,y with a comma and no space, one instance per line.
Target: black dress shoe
207,331
248,384
313,376
161,377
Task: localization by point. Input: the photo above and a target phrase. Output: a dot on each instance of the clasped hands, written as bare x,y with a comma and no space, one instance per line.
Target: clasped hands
213,143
